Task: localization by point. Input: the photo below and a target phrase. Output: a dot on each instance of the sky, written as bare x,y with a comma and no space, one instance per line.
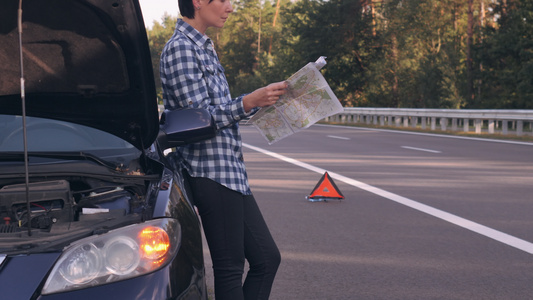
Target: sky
153,10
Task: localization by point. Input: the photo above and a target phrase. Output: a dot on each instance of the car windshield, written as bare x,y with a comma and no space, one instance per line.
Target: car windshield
46,135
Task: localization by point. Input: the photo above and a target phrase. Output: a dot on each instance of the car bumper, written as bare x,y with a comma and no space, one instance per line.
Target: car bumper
22,277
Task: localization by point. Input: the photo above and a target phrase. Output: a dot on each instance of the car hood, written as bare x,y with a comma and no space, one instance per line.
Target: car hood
84,61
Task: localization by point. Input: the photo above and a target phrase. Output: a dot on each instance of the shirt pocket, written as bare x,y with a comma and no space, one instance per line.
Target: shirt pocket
216,83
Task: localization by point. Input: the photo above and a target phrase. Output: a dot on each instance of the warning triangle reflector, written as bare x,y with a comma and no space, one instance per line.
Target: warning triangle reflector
326,188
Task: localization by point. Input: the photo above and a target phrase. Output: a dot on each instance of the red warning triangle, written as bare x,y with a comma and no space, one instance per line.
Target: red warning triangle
326,188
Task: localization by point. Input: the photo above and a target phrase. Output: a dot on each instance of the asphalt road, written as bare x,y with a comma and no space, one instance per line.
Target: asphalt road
425,216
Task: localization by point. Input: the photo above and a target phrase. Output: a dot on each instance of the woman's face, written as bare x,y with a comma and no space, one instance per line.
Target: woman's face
214,13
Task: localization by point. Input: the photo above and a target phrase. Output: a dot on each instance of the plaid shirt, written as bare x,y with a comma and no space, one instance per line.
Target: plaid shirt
192,76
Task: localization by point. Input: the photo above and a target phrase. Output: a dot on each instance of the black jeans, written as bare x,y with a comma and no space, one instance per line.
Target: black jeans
235,230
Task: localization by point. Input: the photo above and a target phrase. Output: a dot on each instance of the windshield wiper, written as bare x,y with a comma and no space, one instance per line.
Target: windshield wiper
64,155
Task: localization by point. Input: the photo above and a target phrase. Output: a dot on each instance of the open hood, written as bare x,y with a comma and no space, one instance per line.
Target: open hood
85,61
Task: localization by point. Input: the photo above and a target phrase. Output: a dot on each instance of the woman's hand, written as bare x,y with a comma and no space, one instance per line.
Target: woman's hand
265,96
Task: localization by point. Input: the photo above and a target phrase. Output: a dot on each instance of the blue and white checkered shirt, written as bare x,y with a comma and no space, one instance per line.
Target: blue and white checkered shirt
192,76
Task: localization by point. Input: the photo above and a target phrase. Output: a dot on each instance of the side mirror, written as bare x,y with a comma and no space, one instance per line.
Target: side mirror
185,126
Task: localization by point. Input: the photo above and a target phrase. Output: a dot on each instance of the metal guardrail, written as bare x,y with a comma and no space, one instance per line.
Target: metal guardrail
517,122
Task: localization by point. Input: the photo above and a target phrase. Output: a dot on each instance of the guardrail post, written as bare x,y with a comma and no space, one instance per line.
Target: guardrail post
423,122
414,122
433,123
519,127
397,121
405,121
466,125
477,125
491,126
382,120
375,120
505,127
443,124
454,124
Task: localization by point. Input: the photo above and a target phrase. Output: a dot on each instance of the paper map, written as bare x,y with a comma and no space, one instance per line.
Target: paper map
308,100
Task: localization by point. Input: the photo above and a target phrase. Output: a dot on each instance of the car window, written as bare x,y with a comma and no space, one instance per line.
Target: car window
46,135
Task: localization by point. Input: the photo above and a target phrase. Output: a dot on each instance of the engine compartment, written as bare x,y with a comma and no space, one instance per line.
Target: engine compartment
50,202
54,202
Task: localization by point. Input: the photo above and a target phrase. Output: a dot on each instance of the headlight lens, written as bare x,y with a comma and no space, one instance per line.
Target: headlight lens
154,242
122,255
117,255
82,264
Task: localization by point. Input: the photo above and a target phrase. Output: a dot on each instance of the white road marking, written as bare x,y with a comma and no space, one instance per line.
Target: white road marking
338,137
421,149
462,222
431,134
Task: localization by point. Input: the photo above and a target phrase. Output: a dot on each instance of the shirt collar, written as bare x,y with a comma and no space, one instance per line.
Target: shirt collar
194,35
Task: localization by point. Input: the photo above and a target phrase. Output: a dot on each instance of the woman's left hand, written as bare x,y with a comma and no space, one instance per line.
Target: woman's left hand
265,96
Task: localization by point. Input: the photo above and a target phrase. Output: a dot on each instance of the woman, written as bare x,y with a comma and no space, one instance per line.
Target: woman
235,230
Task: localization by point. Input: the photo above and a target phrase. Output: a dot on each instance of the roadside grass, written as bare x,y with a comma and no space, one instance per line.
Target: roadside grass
526,137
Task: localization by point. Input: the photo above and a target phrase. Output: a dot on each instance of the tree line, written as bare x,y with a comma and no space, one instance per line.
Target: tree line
381,53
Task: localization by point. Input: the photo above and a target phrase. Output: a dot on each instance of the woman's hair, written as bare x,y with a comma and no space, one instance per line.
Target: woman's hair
187,8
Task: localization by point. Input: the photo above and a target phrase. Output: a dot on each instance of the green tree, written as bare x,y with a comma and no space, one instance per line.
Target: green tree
339,30
381,53
422,60
507,57
158,37
249,42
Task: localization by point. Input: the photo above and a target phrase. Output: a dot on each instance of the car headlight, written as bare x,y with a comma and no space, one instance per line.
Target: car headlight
117,255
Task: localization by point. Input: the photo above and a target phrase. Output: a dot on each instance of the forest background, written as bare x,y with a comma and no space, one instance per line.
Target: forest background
475,54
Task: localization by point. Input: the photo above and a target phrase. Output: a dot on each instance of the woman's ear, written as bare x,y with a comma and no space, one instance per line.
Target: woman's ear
196,4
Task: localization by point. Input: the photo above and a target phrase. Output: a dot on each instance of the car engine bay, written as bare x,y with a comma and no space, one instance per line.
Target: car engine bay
70,206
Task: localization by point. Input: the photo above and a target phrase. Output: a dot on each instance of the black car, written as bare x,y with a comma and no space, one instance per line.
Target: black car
90,207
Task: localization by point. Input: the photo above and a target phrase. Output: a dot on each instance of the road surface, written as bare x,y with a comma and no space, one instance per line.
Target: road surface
424,216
